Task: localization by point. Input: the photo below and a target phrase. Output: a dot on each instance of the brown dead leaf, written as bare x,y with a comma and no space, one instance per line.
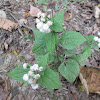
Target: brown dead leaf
34,11
97,12
90,77
96,29
7,24
23,21
84,83
6,45
2,14
5,88
67,16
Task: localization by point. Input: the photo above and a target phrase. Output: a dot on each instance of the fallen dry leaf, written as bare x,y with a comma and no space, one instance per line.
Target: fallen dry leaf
95,29
97,12
91,78
67,16
5,88
23,21
34,11
2,14
84,83
6,45
7,24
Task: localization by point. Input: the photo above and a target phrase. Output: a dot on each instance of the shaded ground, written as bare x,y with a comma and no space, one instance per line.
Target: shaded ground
83,20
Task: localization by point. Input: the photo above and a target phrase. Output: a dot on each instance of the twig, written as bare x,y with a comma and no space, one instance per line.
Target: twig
93,67
20,24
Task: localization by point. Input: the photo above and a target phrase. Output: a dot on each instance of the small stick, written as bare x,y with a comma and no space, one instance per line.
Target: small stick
93,67
20,24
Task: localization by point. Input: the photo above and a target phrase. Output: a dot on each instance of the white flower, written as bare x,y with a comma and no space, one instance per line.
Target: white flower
34,67
39,14
37,20
37,76
98,33
40,68
42,19
99,45
30,73
41,30
25,66
43,15
25,77
39,25
48,31
95,38
49,16
34,86
99,40
30,81
45,27
49,23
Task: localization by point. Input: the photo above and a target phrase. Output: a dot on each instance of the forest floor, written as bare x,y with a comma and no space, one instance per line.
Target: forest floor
15,49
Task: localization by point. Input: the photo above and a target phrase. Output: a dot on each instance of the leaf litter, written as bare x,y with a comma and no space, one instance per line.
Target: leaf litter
85,23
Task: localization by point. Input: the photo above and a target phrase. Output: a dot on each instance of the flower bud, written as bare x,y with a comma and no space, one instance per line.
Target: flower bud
37,20
95,38
99,33
34,86
99,45
30,73
37,76
25,77
45,27
39,25
40,68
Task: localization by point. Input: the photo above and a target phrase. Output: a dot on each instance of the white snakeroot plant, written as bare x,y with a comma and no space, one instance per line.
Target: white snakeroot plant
33,75
52,49
43,25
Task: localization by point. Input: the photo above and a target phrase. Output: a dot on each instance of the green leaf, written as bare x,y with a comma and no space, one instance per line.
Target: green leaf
78,59
89,39
39,44
18,73
70,71
69,52
71,39
40,1
58,21
81,57
43,61
86,54
50,79
95,47
38,57
91,43
51,41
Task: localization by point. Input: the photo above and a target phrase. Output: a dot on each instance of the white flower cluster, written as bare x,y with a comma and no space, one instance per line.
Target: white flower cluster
42,24
97,39
32,76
